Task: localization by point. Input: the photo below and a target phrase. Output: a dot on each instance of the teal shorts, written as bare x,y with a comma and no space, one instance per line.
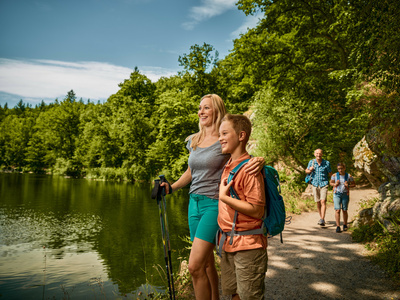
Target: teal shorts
203,217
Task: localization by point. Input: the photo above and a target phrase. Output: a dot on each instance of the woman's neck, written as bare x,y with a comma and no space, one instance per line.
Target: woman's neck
209,138
210,131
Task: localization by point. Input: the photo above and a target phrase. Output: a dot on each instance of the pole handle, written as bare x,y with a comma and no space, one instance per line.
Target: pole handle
162,179
154,192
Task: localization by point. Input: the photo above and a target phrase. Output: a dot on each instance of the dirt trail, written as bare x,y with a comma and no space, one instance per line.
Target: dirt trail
315,262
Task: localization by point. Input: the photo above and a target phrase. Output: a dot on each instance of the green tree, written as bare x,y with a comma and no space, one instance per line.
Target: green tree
55,134
375,62
98,146
288,126
20,108
16,130
175,119
71,96
13,140
197,66
117,133
3,112
300,57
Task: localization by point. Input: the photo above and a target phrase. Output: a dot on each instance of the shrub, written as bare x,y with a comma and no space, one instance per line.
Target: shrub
383,243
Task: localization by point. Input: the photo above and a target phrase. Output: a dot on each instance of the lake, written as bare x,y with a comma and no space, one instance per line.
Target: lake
64,238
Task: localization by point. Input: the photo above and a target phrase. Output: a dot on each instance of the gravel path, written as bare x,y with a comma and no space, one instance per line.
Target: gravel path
315,262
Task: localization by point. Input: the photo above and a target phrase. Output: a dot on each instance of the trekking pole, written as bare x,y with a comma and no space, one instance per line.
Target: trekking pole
162,179
157,194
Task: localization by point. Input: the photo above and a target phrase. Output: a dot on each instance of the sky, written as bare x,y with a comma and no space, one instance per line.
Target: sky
49,47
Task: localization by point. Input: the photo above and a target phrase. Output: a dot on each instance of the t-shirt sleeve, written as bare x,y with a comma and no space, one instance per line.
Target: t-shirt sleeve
333,177
253,188
188,145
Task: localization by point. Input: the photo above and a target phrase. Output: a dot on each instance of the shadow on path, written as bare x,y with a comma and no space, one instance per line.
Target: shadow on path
315,262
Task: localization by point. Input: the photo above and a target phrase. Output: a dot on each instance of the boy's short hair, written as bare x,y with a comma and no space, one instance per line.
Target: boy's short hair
239,123
341,165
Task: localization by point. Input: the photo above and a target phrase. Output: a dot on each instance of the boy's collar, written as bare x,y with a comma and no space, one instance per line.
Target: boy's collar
243,151
233,163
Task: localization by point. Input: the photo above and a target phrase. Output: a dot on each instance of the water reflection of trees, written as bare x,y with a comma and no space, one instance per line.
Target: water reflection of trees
119,221
75,231
131,243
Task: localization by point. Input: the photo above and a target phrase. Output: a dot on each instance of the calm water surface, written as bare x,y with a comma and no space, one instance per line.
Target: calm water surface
79,239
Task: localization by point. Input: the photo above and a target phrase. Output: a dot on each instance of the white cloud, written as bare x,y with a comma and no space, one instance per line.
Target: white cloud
155,73
208,9
49,79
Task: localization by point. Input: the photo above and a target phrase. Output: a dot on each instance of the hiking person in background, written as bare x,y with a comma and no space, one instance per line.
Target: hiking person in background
341,182
322,171
206,163
244,259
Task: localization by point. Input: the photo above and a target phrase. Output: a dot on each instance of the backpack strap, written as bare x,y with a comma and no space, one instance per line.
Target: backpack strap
336,178
233,232
220,243
224,235
231,176
346,178
311,174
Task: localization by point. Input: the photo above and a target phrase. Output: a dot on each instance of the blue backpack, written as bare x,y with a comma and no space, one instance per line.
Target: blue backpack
274,219
309,176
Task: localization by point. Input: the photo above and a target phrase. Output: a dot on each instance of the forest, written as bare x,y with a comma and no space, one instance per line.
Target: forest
311,74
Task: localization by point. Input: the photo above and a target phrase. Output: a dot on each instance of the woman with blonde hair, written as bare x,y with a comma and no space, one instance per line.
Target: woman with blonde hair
206,163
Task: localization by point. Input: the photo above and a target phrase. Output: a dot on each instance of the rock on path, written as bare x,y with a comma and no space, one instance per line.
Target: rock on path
315,262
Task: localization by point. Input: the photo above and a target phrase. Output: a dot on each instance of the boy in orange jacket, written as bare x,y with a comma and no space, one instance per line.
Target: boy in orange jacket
244,260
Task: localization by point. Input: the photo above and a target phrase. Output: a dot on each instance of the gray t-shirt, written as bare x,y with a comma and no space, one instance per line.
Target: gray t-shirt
206,165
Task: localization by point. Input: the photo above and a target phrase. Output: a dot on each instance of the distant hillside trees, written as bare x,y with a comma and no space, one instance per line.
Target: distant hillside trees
314,74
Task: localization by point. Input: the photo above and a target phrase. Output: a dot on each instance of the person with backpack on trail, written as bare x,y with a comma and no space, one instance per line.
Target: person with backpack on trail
244,258
321,172
341,182
206,162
